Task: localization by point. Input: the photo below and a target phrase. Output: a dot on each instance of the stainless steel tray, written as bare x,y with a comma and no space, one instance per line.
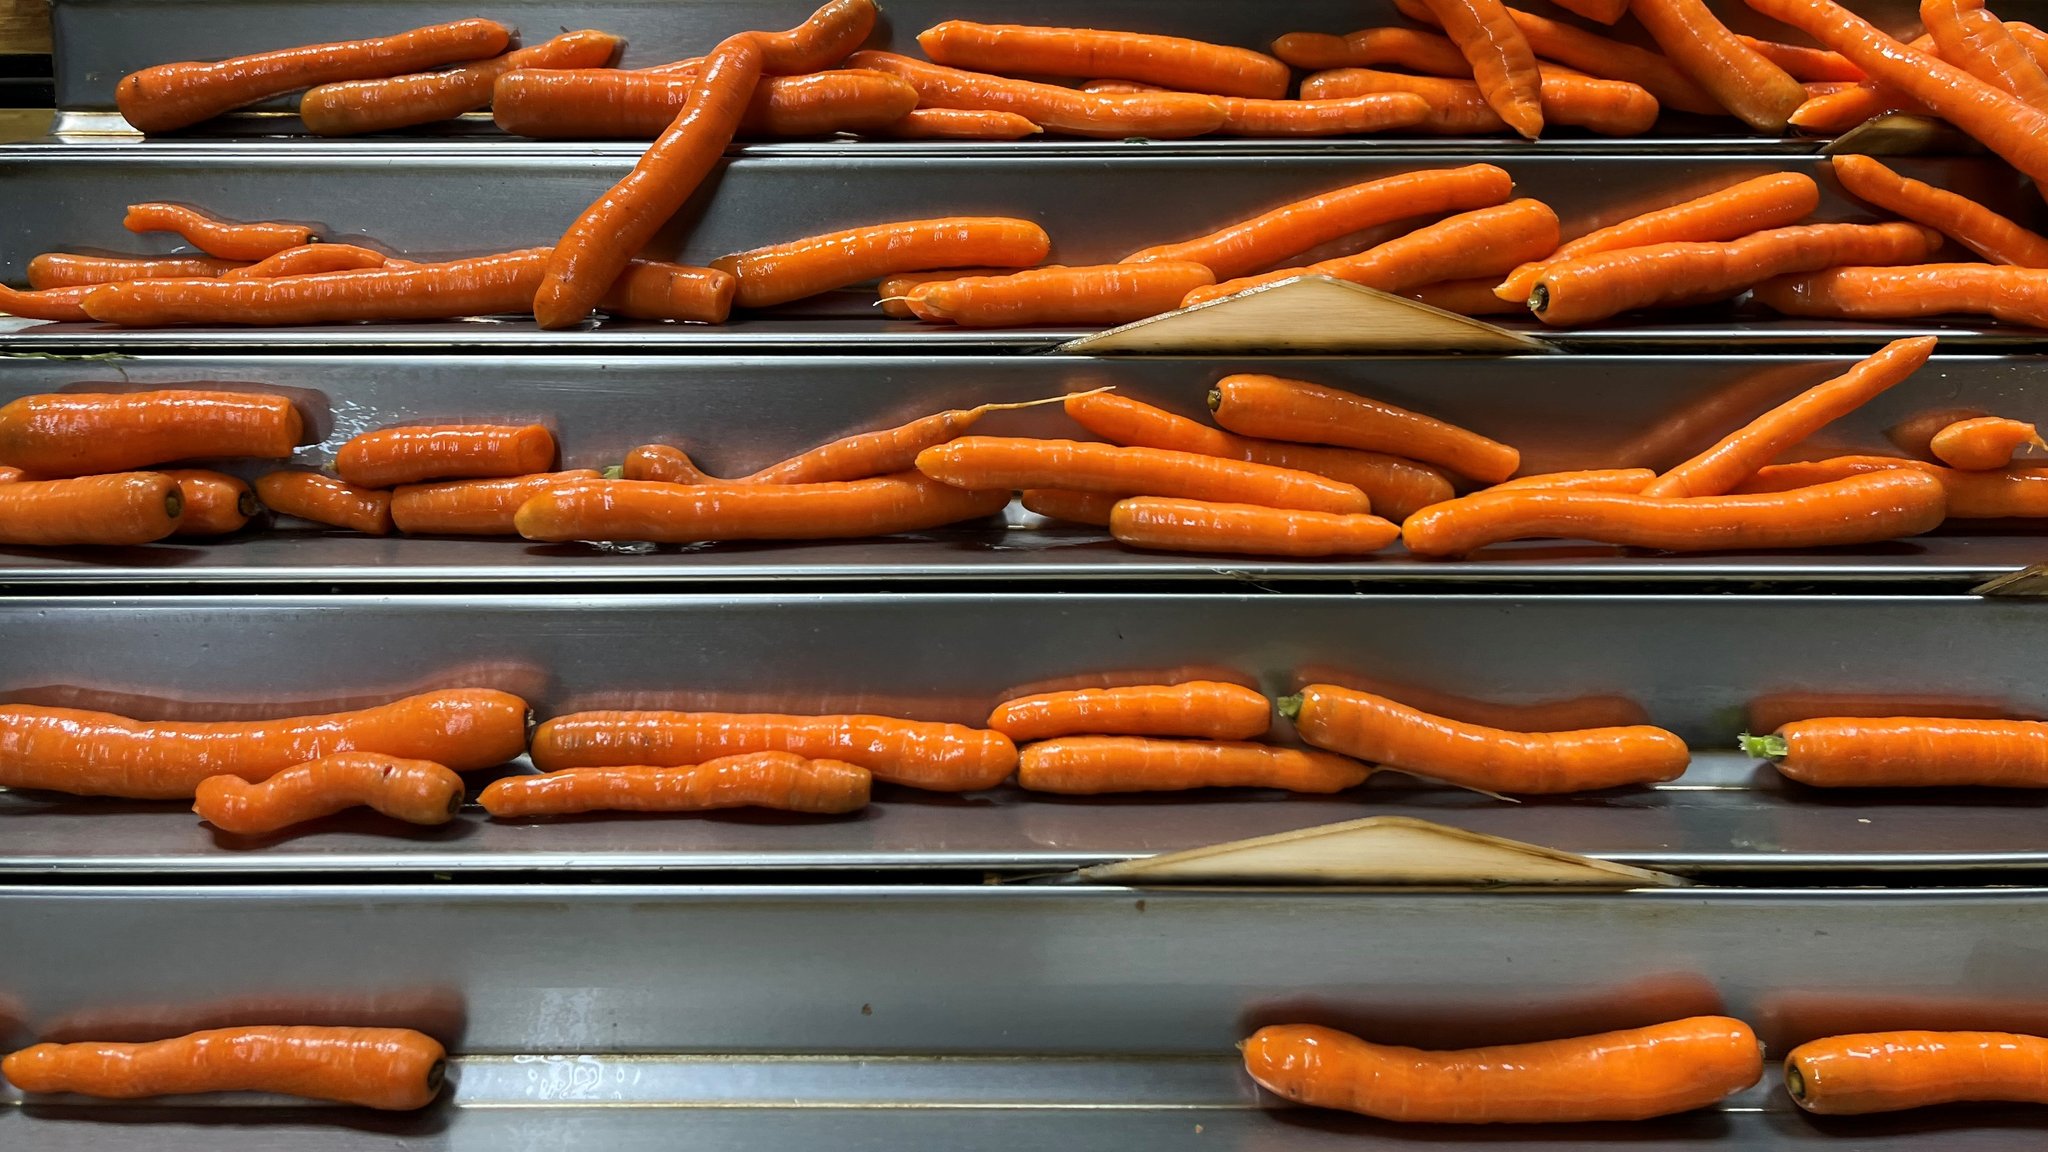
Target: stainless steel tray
1691,663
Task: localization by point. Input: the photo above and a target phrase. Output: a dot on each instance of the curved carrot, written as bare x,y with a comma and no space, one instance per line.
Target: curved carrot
1004,462
680,514
472,507
825,40
76,433
1472,296
664,463
1807,65
893,290
775,780
1073,507
920,754
225,239
100,754
170,96
958,124
1974,40
1383,732
392,456
1915,434
1907,752
806,267
116,509
1633,1074
60,305
1605,58
1502,62
476,286
2002,292
213,504
1594,287
1867,1072
1835,112
1632,480
1757,91
1102,295
325,500
868,454
1280,409
71,270
1093,765
550,104
415,791
1739,454
1169,61
1159,115
2011,492
1857,510
1408,48
1774,201
1459,108
395,1069
1984,444
1291,229
1172,525
308,260
1197,709
380,105
1962,219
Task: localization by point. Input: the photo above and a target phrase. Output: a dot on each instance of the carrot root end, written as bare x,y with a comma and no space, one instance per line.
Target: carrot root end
1767,747
1289,706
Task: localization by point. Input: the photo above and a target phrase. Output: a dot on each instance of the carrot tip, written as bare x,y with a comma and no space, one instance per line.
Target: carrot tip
615,472
247,504
1215,399
1763,747
174,502
1539,299
1290,706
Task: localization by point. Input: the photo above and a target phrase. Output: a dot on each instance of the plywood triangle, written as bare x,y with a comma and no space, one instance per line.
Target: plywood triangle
1900,134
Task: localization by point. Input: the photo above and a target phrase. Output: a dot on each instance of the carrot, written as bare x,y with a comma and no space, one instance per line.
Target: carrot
170,96
1169,61
958,124
2011,295
1632,480
1473,296
1602,11
1559,715
415,791
1395,486
656,290
1092,765
392,456
1200,709
1600,56
76,433
1073,507
356,106
472,507
1984,444
1097,295
1173,525
62,305
1835,112
476,286
1774,201
325,500
1962,219
920,754
1857,510
815,264
1291,229
1974,40
823,41
1736,458
1869,1072
663,463
1502,62
1907,752
1757,91
1459,108
1347,116
1282,409
1584,289
1159,115
1408,48
212,504
1803,63
1633,1074
308,260
100,754
70,270
869,454
593,102
1381,731
9,474
116,509
395,1069
1004,462
1915,434
892,290
775,780
227,240
1773,710
679,514
2013,492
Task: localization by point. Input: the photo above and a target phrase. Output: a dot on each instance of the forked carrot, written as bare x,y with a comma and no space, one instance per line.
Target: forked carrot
415,791
868,454
1098,295
77,433
2007,493
1073,507
662,462
472,507
1007,462
1158,115
1392,735
1502,62
1736,458
225,239
892,290
1280,409
1170,61
1867,1072
116,509
685,514
1759,92
1472,296
777,780
1459,108
389,457
1907,752
1974,40
1589,480
1407,48
307,260
806,267
1093,765
2002,292
71,270
213,504
958,124
325,500
1598,55
1174,525
395,1069
1967,222
355,106
1984,444
1634,1074
1196,709
607,103
1805,64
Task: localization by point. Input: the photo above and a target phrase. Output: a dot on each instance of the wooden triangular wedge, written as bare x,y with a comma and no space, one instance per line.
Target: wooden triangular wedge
2029,581
1900,134
1305,315
1379,851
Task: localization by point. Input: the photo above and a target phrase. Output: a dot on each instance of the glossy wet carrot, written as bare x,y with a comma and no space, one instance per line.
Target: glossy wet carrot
61,305
921,754
1276,408
1915,434
1719,469
1834,112
1472,296
551,104
1502,62
117,509
325,500
1008,462
1760,202
1345,116
475,286
9,474
891,290
1380,731
214,504
101,754
1633,1074
356,106
1175,525
2002,292
472,507
1196,709
957,124
1805,64
823,41
776,780
1857,510
71,270
1600,56
1587,480
1907,752
1170,61
78,433
1738,77
1974,40
1962,219
308,260
800,268
1459,108
664,463
225,239
1407,48
2011,492
1584,289
685,514
389,457
868,454
1984,444
1072,507
1099,295
1158,115
657,290
415,791
1094,765
171,96
1862,1073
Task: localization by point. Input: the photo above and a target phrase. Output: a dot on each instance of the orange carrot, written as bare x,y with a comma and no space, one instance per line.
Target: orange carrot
476,286
815,264
1199,709
1092,765
76,433
1633,1074
661,462
379,105
1172,525
307,260
1584,289
1869,1072
1984,444
821,42
1632,480
1907,752
920,754
1603,11
170,96
9,474
1600,56
415,791
1459,108
655,290
392,456
2012,295
1473,296
1834,112
1915,434
1099,295
680,514
1857,510
1159,115
1736,458
586,103
212,504
892,290
224,239
1969,223
1169,61
1803,63
1281,409
1502,62
1974,40
1408,48
1347,116
395,1069
472,507
1003,462
958,124
1759,92
62,305
116,509
868,454
775,780
70,270
325,500
2012,492
100,754
1073,507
